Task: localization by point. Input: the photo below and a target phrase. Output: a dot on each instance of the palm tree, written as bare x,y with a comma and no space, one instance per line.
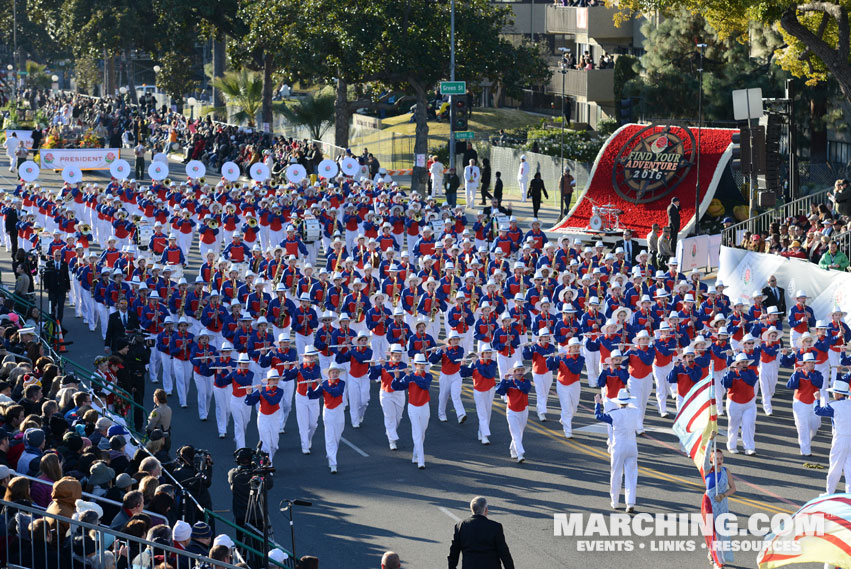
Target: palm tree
37,75
315,113
243,90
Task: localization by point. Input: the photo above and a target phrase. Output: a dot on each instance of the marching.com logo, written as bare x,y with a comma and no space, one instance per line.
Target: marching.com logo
683,532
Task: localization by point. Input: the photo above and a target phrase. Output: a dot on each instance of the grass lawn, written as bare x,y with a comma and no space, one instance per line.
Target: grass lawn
482,121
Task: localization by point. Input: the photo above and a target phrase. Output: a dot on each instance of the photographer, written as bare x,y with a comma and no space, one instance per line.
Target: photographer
57,283
135,355
241,481
195,473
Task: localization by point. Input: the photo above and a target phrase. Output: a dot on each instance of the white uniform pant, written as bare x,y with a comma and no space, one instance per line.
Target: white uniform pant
103,318
640,387
288,387
222,397
268,427
358,398
663,388
504,364
325,361
419,416
307,416
470,193
379,346
89,316
450,386
833,358
204,386
794,335
624,463
516,425
334,421
168,372
241,417
806,423
568,398
768,382
392,405
592,366
182,376
301,342
484,407
542,383
824,370
741,415
76,297
840,461
523,183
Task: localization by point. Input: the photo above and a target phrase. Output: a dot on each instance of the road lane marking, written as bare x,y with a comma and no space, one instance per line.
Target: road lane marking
448,513
353,447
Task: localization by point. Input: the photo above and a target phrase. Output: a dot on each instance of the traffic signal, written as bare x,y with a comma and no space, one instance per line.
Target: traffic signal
769,178
742,150
460,113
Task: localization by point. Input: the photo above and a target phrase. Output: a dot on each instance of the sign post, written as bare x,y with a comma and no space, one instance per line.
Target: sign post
747,106
464,135
453,87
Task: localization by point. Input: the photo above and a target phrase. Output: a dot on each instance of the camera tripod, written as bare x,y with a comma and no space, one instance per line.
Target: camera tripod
258,511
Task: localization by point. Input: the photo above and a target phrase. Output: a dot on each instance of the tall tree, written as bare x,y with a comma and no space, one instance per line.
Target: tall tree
817,33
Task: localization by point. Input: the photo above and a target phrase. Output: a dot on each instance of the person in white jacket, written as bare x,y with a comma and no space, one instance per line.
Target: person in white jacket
625,421
436,173
472,177
523,177
839,410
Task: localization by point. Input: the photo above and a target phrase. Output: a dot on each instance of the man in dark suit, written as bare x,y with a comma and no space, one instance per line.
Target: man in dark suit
775,295
119,322
629,246
58,283
674,222
13,216
480,540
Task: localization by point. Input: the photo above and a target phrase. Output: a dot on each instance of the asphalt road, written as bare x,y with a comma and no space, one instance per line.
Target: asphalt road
380,501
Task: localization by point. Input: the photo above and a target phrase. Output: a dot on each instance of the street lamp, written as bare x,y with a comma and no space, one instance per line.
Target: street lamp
55,79
157,68
563,70
702,48
191,101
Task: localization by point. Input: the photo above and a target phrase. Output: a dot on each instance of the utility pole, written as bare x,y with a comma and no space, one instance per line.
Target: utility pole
701,47
15,45
451,78
793,141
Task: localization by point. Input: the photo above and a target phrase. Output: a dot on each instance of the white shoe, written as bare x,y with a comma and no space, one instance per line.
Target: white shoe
521,459
733,451
630,509
750,452
421,466
462,419
333,470
485,441
442,419
392,445
568,435
513,454
614,505
305,451
542,417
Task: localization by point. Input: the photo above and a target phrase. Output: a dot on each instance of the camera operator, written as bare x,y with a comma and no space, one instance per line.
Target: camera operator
57,283
195,473
242,479
135,355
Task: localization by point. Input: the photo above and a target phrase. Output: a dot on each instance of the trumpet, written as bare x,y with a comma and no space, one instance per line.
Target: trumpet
252,222
137,218
85,228
213,224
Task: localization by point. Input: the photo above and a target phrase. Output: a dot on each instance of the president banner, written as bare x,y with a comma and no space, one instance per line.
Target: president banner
80,158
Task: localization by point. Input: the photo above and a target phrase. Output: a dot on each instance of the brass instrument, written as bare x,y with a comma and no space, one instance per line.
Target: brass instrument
85,228
396,295
183,301
416,302
434,307
295,285
213,224
202,302
277,278
474,299
339,258
252,222
358,308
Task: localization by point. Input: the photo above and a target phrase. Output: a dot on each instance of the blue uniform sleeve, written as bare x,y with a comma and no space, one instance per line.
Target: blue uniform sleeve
826,411
793,382
600,415
253,398
334,390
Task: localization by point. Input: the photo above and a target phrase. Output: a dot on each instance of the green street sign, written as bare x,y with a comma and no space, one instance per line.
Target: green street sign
453,87
464,135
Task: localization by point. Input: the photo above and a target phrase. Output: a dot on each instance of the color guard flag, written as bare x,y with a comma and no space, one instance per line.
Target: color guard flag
697,423
820,532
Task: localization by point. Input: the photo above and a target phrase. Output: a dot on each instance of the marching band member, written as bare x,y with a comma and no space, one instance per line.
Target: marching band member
806,381
306,375
640,359
665,347
269,412
801,317
769,364
515,388
283,358
624,422
360,357
506,342
333,414
417,384
163,346
568,367
483,371
242,382
449,358
612,379
839,410
181,350
392,401
222,366
542,377
203,355
741,405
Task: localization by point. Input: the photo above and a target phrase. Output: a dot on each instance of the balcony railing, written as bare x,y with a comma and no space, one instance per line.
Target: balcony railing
596,22
596,85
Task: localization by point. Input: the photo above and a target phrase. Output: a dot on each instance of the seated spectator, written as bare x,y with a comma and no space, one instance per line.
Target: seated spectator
50,471
65,494
833,259
795,251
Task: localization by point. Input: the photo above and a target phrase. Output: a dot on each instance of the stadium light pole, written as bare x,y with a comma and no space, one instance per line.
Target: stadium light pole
701,47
